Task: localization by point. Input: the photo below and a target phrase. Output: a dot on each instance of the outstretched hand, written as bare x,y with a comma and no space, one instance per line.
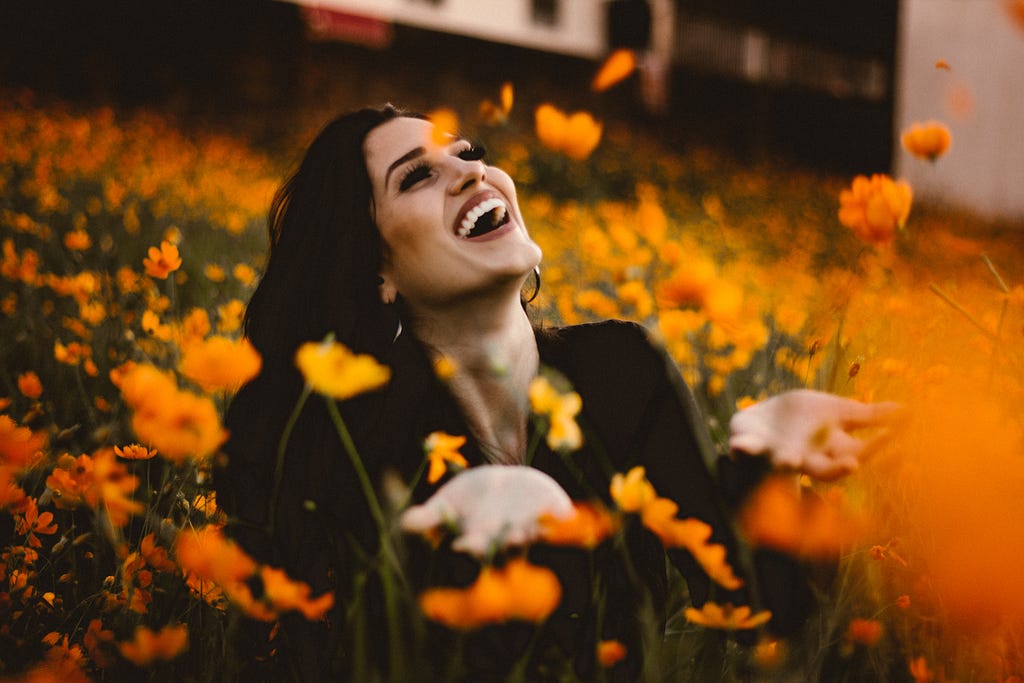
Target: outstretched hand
809,431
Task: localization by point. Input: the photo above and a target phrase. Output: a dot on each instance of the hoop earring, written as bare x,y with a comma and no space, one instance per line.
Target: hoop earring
536,285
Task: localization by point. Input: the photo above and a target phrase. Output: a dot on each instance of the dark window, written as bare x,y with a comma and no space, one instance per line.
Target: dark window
544,12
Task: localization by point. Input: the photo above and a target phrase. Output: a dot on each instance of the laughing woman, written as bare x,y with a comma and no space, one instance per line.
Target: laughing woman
411,248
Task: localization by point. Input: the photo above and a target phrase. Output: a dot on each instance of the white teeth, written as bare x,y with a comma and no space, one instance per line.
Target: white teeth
473,215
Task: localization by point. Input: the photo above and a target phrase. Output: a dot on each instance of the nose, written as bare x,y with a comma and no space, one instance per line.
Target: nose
468,174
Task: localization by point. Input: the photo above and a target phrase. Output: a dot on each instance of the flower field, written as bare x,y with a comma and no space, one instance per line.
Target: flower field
130,247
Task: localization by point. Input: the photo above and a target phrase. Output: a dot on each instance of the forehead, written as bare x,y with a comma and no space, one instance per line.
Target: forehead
393,139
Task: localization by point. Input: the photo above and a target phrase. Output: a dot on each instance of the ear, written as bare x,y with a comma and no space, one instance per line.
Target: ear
387,289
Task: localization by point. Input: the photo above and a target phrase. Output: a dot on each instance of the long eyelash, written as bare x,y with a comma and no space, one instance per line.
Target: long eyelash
420,169
474,153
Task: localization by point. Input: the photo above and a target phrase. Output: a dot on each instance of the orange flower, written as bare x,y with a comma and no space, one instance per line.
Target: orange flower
610,653
576,136
726,617
631,492
31,522
588,526
443,449
1015,9
874,208
903,602
244,273
162,260
97,640
135,452
928,140
497,113
19,447
147,646
154,555
220,363
446,126
659,516
29,385
77,240
920,671
208,554
779,516
285,595
333,370
618,66
518,591
864,631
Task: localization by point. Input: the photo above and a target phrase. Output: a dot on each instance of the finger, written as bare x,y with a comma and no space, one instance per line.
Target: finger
420,519
854,414
828,467
748,442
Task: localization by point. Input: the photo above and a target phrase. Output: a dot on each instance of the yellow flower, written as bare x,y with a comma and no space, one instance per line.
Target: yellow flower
928,140
331,369
561,410
618,66
162,260
219,363
874,208
576,136
726,617
518,591
443,449
213,272
244,273
631,492
493,113
229,316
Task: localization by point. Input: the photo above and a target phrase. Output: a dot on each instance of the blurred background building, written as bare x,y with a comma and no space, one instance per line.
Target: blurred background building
825,83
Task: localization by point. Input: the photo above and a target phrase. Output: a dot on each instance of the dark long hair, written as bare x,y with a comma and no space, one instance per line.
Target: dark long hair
325,249
321,277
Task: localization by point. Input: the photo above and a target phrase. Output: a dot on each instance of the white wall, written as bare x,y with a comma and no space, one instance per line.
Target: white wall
980,98
580,30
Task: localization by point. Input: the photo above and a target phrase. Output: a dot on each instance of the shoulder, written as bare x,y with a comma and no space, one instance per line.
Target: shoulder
612,358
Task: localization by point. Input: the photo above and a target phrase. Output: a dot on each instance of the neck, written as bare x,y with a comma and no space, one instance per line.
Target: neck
494,351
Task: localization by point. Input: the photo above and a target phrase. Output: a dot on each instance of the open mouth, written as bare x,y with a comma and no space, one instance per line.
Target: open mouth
485,217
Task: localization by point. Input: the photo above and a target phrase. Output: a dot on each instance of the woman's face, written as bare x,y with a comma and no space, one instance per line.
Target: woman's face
450,224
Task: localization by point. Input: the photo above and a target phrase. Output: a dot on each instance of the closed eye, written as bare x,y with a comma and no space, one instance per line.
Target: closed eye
416,174
473,153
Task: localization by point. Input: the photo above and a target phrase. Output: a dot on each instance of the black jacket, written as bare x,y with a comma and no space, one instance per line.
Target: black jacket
636,411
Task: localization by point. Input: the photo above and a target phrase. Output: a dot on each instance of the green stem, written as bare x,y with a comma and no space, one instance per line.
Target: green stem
534,441
279,464
357,464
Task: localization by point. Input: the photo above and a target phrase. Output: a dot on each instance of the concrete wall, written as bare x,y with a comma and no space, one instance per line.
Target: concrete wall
980,97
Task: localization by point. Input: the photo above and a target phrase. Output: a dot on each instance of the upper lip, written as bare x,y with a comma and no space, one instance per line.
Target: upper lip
473,201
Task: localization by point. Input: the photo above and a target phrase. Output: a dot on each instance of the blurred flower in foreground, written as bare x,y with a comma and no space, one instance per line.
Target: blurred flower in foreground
576,136
446,126
219,363
519,590
779,515
928,140
561,410
331,369
1015,8
29,385
443,450
874,208
589,524
619,65
495,114
492,506
726,617
147,646
162,260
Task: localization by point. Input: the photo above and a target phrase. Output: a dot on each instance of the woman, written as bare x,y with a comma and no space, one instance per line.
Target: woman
406,245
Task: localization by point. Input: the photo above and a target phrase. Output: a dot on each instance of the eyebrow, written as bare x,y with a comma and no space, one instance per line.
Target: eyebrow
408,156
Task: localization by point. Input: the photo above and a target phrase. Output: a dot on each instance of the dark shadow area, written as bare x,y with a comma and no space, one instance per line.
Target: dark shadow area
246,66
